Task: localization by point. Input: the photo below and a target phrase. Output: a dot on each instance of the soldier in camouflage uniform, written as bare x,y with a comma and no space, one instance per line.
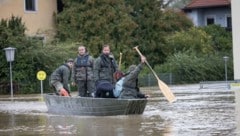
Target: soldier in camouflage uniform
104,67
83,72
60,77
130,88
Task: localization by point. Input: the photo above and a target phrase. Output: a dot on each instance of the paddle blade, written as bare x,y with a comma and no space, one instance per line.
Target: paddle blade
166,91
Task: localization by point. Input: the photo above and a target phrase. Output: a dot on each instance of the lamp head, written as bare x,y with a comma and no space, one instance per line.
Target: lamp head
10,53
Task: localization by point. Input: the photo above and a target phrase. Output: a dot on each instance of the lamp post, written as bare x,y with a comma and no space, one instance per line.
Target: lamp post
10,58
225,58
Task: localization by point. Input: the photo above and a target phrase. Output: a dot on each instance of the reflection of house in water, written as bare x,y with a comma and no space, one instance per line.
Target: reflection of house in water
38,15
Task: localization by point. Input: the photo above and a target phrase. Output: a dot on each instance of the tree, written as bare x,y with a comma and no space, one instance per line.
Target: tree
31,56
180,3
12,33
96,22
123,24
153,26
221,39
196,59
186,41
177,4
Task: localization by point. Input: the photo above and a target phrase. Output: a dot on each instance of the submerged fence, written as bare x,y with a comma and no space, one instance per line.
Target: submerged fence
217,84
150,80
21,87
170,78
147,80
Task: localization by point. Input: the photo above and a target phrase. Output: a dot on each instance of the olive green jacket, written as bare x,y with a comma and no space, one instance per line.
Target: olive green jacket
62,74
130,86
104,68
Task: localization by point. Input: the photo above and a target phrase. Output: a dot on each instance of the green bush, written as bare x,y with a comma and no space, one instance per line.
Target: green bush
197,54
192,68
192,40
221,40
30,57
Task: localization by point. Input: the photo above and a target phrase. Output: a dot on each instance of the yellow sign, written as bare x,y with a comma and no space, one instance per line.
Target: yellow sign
235,84
41,75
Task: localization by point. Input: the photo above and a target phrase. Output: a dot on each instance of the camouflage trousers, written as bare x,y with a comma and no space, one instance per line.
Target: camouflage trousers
85,88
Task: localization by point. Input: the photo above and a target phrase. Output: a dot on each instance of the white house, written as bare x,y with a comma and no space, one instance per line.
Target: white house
206,12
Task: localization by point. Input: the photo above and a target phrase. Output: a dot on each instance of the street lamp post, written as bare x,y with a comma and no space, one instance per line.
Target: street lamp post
225,58
10,58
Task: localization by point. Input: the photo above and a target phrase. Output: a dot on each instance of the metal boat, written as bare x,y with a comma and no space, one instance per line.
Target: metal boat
89,106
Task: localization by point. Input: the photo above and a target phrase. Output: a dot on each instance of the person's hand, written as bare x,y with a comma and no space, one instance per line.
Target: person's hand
143,59
63,92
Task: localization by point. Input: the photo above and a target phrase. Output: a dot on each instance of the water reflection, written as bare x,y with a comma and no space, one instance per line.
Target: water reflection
203,112
74,125
119,126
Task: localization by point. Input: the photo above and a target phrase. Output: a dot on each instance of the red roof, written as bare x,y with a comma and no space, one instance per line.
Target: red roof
207,3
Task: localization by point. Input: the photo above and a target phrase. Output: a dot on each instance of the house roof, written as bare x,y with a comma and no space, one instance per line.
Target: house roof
207,3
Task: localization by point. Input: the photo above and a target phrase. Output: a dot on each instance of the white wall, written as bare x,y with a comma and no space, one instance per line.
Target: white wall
236,59
193,15
219,14
236,37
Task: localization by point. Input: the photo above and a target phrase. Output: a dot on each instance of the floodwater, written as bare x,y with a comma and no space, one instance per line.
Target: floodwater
197,112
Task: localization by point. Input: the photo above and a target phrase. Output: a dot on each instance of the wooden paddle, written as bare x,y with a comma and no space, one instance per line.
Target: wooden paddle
120,61
162,86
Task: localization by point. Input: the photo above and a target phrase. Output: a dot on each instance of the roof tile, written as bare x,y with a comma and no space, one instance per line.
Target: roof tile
207,3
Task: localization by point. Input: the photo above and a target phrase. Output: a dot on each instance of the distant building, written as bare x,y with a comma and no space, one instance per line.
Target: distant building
38,15
206,12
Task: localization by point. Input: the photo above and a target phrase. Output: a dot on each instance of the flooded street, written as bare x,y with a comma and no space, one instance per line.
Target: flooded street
204,112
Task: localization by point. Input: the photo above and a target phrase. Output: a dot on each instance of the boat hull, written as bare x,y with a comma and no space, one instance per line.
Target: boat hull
87,106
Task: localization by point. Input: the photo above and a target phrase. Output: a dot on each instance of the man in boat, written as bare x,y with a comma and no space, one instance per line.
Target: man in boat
83,72
60,77
104,68
129,81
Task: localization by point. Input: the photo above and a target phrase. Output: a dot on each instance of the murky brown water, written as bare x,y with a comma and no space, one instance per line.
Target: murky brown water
205,112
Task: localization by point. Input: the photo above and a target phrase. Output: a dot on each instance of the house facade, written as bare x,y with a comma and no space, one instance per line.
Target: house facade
207,12
38,15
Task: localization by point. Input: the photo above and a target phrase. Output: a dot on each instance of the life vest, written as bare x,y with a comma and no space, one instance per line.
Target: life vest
83,61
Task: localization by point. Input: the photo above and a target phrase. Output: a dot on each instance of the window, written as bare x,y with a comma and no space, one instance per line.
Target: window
30,5
210,20
60,6
229,22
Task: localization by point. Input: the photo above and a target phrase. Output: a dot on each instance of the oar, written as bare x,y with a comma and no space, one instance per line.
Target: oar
162,86
120,61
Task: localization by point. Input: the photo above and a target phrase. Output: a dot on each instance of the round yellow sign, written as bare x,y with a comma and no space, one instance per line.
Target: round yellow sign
41,75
